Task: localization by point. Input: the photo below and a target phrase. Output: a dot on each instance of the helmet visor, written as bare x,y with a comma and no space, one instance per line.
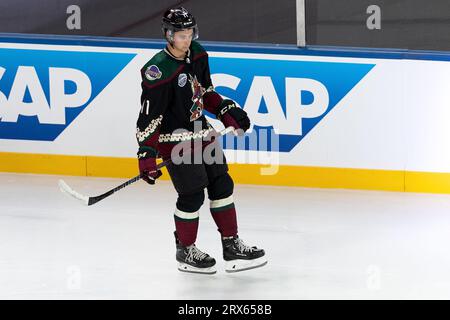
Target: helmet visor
182,36
174,33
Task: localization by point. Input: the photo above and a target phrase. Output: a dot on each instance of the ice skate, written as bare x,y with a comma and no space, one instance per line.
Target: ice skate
240,257
191,259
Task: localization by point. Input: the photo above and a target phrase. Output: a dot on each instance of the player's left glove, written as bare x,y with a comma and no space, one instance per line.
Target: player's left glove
233,116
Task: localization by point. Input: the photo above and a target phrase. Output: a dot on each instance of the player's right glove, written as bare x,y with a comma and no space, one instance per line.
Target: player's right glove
147,168
231,115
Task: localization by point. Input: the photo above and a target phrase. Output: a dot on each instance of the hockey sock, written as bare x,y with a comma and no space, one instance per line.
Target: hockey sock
186,224
224,214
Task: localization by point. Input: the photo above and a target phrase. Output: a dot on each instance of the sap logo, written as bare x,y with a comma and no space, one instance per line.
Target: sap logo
27,81
290,97
286,122
42,92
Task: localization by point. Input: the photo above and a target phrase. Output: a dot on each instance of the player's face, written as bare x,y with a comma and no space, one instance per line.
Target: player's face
182,39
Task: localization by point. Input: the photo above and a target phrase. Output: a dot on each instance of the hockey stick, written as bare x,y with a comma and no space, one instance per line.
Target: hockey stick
64,187
92,200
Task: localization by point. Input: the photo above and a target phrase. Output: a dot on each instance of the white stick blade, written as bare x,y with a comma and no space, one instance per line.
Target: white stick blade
68,190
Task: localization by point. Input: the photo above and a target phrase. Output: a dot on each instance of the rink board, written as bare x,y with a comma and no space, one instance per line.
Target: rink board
354,118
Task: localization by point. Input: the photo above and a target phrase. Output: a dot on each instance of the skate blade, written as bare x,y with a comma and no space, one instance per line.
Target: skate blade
242,265
190,269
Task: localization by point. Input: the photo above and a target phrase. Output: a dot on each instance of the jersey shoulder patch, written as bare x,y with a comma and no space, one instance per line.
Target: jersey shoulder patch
159,68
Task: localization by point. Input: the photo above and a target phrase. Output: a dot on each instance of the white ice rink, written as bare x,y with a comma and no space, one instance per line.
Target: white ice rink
321,244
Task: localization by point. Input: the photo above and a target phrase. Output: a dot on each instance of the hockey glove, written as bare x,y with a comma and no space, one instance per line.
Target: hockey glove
231,115
148,170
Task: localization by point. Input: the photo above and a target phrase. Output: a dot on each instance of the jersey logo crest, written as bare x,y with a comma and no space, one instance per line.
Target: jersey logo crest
197,97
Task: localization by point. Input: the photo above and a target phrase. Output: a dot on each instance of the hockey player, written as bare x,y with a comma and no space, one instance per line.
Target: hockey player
176,88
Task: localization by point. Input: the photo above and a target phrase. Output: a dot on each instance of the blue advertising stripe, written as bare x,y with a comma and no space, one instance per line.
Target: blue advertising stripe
239,47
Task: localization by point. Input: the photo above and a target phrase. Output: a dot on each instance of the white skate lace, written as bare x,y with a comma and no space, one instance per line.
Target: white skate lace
242,247
194,253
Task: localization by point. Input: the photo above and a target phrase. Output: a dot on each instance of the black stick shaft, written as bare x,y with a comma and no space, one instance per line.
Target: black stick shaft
96,199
